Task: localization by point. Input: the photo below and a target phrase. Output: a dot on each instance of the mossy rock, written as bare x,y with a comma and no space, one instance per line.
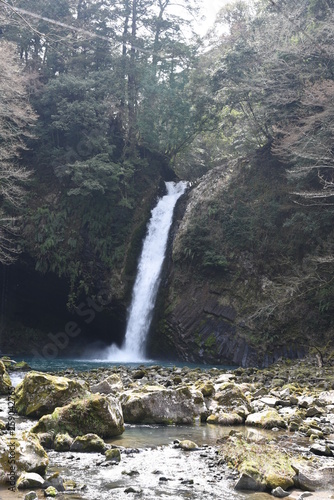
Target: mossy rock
94,414
28,453
5,382
51,492
40,393
277,479
63,442
20,366
212,419
266,419
89,443
207,388
158,405
226,419
231,396
264,463
113,455
46,439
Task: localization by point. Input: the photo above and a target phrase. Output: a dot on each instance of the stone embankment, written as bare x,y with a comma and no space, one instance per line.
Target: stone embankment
292,403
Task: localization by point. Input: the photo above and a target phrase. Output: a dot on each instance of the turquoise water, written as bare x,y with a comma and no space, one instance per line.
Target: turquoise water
59,364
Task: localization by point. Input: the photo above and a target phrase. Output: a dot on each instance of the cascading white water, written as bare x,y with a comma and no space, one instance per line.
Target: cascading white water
148,277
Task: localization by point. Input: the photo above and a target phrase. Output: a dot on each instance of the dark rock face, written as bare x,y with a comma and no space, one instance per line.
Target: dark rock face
225,300
200,330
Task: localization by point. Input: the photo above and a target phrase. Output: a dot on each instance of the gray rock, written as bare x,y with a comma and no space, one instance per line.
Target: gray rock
266,419
63,442
32,495
156,404
304,495
188,445
321,449
312,411
247,482
110,385
280,493
269,401
29,480
29,455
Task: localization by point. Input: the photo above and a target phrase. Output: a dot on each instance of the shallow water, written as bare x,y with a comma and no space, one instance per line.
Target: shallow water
143,436
58,364
164,473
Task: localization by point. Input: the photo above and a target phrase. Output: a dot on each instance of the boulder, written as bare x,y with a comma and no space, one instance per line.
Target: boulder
280,493
188,445
160,405
321,449
262,466
111,385
230,397
89,443
40,393
56,481
96,414
5,382
247,482
32,495
51,492
24,451
46,439
207,388
266,419
63,442
19,366
113,455
223,418
28,480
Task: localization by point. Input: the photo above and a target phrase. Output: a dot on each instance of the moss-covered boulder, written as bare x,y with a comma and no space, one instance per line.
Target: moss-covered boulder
40,393
158,405
266,419
25,452
63,442
5,382
230,396
51,492
89,443
96,414
223,418
262,466
19,366
113,455
207,388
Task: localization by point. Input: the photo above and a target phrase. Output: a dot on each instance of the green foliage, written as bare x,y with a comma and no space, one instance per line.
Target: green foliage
213,260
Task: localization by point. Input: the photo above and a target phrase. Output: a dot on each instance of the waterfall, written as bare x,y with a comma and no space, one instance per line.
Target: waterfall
148,277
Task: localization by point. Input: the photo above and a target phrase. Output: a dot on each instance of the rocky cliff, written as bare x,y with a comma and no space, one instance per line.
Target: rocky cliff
250,277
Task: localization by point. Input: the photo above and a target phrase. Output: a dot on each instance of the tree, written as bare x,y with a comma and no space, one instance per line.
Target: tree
16,120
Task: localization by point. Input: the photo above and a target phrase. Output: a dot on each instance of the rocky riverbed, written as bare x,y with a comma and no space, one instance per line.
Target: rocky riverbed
275,439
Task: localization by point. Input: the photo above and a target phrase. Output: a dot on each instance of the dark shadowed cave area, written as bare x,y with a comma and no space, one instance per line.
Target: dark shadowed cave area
34,309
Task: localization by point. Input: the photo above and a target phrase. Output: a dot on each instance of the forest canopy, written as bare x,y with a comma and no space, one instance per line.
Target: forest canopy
109,90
